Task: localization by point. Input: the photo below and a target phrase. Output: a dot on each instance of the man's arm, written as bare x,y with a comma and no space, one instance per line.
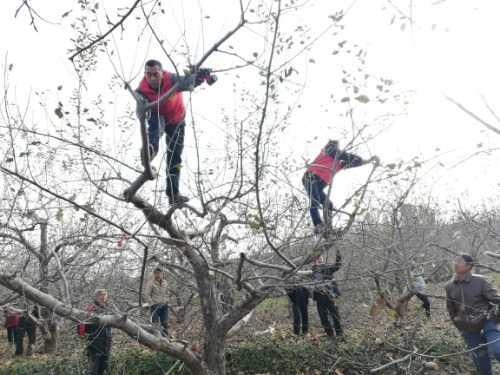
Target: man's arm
184,82
352,160
450,306
490,293
188,82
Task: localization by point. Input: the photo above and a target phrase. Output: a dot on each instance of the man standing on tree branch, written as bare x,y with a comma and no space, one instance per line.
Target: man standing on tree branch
320,173
168,116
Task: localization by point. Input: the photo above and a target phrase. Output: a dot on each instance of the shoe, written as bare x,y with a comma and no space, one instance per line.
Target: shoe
177,199
319,228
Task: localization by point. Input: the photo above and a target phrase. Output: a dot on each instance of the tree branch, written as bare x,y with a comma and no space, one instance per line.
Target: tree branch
107,32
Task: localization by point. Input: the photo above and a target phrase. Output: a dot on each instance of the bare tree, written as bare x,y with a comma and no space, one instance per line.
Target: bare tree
228,251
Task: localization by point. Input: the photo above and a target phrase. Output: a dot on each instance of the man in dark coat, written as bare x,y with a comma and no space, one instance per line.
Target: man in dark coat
325,292
472,304
26,327
99,336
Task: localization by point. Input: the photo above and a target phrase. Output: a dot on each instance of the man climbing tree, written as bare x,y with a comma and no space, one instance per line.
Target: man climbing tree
168,116
320,173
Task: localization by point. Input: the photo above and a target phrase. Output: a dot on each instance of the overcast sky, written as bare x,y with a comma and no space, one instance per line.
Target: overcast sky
450,48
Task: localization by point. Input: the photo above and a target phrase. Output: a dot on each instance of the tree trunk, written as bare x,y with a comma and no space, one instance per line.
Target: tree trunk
214,358
50,329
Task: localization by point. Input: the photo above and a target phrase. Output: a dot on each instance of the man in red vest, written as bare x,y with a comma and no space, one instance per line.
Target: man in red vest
319,174
168,116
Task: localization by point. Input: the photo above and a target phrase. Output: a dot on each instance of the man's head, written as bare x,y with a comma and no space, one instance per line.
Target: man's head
101,296
334,143
318,259
463,264
158,274
153,73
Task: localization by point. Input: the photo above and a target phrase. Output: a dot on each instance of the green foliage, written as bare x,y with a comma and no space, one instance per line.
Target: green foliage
279,356
283,354
136,361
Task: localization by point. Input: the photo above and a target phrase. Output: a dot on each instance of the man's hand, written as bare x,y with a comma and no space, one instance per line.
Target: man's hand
496,312
205,75
142,103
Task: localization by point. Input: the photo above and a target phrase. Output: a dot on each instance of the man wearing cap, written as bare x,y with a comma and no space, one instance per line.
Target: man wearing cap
156,294
471,300
320,173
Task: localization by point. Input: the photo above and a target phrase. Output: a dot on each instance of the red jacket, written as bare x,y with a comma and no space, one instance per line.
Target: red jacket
12,320
326,165
172,109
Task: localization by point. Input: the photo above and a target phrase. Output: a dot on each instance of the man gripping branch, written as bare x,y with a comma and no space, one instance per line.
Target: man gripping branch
168,116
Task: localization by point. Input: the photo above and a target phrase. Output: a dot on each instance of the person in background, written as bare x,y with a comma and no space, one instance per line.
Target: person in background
472,304
156,294
419,289
26,327
99,335
11,322
299,298
325,293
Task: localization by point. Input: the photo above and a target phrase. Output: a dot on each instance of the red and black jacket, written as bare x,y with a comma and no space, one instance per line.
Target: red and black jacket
331,160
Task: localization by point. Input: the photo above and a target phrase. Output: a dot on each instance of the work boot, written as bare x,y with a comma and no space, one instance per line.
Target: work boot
177,199
329,332
319,228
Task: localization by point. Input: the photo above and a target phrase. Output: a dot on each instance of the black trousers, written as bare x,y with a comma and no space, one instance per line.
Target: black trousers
98,362
326,310
159,314
11,335
300,300
426,304
19,336
175,145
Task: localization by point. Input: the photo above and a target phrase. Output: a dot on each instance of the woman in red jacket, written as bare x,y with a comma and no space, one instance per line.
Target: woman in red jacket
319,174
